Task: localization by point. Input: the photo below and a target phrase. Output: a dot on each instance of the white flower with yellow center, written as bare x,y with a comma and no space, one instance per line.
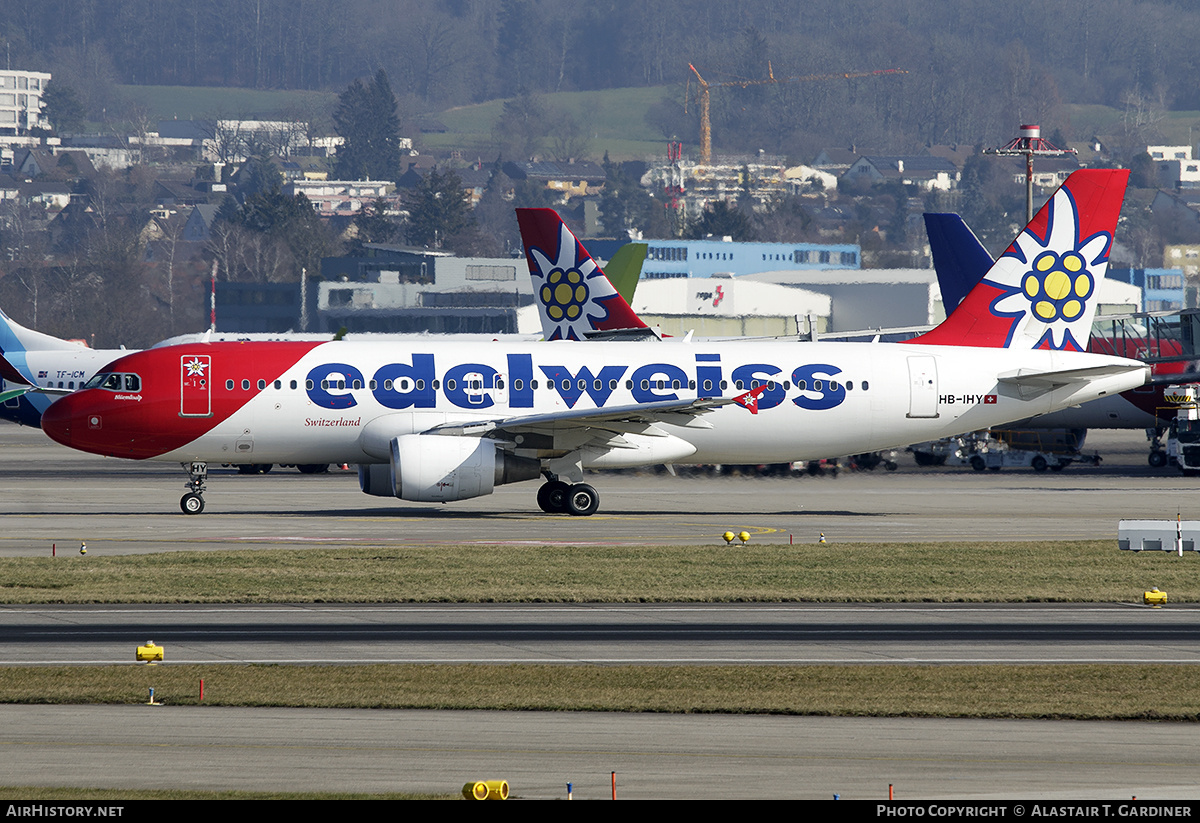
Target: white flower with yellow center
1047,293
571,288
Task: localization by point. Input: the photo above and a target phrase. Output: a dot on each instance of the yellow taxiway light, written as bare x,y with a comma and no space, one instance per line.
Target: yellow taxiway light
149,653
486,790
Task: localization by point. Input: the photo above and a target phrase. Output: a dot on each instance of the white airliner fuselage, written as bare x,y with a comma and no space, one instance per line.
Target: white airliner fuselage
445,421
351,399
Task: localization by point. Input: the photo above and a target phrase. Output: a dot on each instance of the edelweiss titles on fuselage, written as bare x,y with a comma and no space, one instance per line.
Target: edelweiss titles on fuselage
814,386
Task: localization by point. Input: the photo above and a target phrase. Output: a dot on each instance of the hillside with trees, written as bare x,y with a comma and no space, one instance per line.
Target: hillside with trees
975,68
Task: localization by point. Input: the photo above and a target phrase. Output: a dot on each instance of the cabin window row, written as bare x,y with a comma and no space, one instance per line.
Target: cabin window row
404,385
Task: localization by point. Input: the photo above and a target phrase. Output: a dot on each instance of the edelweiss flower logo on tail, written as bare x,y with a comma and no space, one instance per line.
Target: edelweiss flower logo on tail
1048,282
571,289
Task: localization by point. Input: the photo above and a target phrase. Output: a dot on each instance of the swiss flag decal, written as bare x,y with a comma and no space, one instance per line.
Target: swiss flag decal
749,400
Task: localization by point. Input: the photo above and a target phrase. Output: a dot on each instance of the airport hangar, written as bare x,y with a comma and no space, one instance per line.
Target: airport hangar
713,288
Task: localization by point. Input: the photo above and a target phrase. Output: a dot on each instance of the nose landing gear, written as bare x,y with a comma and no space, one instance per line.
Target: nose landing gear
193,501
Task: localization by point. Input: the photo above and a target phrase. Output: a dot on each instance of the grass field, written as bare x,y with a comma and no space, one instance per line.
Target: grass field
1077,692
1083,571
616,118
196,102
1177,127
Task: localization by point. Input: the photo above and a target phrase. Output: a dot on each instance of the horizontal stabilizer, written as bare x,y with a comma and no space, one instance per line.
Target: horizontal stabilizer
24,390
1031,383
626,335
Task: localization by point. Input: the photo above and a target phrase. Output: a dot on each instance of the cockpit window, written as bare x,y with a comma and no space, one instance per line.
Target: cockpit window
114,381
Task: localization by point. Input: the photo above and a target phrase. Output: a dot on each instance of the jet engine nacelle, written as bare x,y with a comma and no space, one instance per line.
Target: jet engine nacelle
431,468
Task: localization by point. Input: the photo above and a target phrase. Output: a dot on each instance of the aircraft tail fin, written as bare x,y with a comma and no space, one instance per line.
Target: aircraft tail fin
1042,292
16,339
959,259
575,299
11,374
624,270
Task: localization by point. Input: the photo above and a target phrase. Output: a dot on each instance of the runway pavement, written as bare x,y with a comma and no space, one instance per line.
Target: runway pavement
604,634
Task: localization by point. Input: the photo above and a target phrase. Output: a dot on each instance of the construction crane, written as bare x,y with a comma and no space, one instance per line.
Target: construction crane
705,86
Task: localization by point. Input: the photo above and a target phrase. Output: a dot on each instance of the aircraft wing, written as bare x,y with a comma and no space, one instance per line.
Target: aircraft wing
616,419
23,390
11,374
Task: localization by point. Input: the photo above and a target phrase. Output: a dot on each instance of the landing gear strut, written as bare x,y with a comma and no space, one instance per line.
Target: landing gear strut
193,501
557,497
1158,456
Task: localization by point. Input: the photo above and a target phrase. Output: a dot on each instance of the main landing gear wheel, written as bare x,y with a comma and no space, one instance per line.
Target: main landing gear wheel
582,500
191,503
552,497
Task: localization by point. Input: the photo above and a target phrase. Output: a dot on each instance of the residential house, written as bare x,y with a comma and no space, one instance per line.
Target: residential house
53,164
924,171
1048,172
1176,167
332,197
573,179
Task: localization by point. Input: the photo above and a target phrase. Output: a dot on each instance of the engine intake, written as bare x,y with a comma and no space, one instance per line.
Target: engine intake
434,468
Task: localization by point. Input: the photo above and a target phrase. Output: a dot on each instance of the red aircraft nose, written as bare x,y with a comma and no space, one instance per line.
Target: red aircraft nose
94,420
78,419
57,420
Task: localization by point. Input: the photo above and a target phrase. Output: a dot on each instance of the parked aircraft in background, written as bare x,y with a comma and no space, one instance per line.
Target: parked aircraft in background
575,300
436,422
36,368
961,261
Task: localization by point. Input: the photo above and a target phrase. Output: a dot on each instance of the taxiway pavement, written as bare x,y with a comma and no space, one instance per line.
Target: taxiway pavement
654,755
52,496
